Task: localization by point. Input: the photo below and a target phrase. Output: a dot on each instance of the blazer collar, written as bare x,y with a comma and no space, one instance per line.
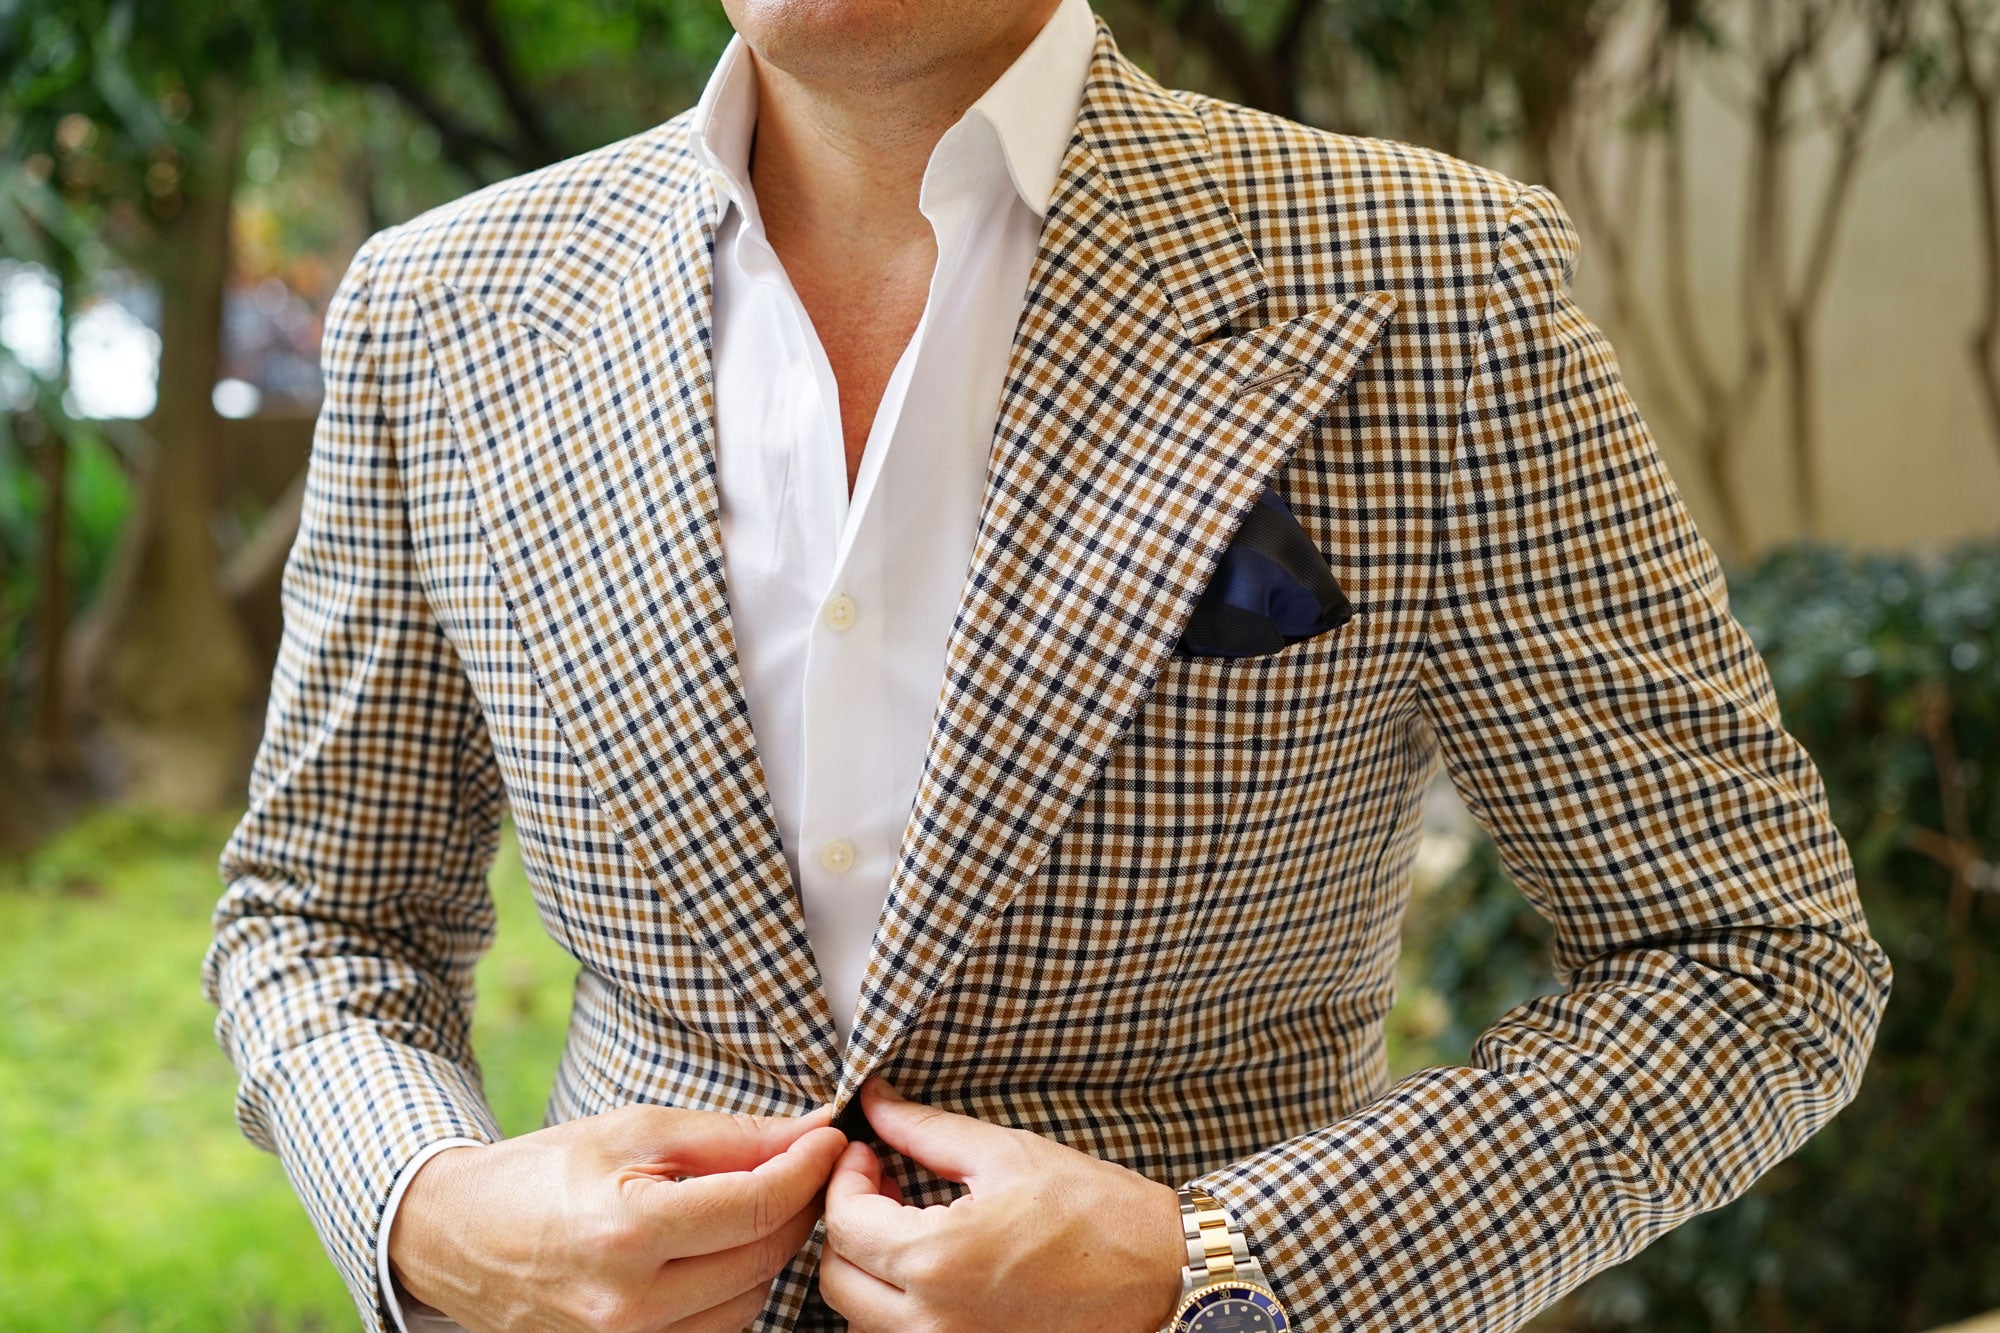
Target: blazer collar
1147,404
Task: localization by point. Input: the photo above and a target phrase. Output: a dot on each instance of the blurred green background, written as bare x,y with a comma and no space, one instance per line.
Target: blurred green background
1791,221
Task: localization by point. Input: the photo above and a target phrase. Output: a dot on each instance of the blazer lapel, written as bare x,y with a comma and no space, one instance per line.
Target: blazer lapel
1135,431
587,428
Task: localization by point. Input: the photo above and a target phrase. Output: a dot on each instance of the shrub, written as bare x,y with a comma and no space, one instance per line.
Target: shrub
1888,670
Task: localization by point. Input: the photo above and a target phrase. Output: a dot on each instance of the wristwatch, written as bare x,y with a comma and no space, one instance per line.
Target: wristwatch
1223,1289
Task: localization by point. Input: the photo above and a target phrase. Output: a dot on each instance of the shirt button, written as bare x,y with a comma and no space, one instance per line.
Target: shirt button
837,857
840,612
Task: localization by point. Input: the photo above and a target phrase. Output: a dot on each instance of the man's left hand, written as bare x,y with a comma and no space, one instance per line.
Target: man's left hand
1045,1237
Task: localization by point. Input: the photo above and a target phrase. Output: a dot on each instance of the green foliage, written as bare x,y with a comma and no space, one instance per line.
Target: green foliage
1481,949
127,1199
1888,670
96,499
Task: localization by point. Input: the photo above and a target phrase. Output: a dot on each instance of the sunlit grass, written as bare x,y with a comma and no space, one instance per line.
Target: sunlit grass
128,1200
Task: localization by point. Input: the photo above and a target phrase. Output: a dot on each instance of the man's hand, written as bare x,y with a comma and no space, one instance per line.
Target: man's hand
1048,1237
584,1225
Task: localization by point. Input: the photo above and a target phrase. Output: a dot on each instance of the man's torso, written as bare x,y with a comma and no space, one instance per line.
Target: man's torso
1147,904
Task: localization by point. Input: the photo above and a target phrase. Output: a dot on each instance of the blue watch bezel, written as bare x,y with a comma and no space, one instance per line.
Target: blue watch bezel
1234,1290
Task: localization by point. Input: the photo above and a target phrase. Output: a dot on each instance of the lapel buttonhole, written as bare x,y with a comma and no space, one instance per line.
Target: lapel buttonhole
1288,371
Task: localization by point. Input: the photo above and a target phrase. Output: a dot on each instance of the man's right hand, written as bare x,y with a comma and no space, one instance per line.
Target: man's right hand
583,1225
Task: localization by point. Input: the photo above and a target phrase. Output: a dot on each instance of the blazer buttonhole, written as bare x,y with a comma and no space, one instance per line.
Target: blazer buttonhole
1279,375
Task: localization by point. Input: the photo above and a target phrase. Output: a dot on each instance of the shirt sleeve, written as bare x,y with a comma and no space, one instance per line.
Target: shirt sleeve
1612,727
356,902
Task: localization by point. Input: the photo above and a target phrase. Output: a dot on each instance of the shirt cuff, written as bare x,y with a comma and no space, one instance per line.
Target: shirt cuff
421,1318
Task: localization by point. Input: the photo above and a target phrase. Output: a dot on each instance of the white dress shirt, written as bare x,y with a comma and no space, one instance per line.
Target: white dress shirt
841,607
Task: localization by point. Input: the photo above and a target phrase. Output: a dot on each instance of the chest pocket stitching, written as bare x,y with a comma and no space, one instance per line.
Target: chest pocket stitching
1222,702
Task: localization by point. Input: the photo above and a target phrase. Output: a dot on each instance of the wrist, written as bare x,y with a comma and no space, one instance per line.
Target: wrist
429,1196
1166,1254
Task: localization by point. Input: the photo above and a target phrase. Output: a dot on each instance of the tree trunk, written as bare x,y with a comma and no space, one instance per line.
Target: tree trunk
52,749
166,671
25,820
253,577
1799,391
1982,108
53,753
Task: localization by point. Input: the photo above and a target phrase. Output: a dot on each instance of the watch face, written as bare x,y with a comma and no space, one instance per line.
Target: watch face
1233,1307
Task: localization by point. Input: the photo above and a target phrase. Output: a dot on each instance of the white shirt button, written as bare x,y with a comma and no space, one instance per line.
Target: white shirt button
837,857
840,612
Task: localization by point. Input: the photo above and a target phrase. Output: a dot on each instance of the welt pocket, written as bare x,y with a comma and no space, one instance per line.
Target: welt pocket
1252,700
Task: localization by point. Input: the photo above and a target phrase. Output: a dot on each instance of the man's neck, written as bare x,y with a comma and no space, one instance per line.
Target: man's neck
843,164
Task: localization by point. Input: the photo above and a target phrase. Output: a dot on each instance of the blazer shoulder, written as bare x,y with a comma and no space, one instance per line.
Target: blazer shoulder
1248,138
1333,214
491,242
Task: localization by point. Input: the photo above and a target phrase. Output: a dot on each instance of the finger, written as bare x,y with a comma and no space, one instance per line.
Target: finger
674,1141
953,1146
705,1280
858,1159
732,1316
866,1300
712,1213
890,1189
865,1226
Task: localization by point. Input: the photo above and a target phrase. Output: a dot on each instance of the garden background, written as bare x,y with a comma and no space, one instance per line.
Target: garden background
1791,221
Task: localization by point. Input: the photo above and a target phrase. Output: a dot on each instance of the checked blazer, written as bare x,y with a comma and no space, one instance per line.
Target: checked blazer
1146,904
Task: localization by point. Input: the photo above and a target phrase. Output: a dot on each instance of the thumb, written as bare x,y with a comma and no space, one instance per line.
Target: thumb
956,1147
857,1174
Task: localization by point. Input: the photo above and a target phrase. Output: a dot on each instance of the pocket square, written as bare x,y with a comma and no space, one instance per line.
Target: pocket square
1272,588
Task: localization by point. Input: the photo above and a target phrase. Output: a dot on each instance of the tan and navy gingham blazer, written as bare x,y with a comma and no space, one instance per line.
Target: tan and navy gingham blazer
1145,904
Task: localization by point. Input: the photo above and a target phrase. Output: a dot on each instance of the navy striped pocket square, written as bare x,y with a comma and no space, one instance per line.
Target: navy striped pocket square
1272,588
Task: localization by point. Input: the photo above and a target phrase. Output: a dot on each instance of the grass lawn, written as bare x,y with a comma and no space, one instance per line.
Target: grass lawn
128,1200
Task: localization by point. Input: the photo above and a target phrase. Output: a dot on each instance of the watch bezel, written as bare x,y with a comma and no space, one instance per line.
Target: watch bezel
1244,1286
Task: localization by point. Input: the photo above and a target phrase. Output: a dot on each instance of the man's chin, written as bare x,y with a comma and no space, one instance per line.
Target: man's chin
874,45
856,41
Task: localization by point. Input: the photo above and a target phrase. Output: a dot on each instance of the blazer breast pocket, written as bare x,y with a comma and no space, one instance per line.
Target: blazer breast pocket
1299,691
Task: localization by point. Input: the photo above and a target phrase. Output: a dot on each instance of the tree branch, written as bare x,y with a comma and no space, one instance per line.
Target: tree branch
531,127
1254,75
463,145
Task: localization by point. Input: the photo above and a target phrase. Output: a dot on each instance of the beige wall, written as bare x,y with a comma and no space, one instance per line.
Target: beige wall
1909,460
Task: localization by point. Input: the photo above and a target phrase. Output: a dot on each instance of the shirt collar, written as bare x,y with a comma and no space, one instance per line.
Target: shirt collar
1032,109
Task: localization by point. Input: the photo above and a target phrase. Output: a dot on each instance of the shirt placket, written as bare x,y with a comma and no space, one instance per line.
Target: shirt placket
852,736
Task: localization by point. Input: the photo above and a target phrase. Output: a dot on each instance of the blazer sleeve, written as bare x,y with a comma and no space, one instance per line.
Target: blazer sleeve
1613,728
356,900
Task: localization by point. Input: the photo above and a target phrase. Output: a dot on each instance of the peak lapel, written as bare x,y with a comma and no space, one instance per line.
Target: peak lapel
587,429
1134,433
